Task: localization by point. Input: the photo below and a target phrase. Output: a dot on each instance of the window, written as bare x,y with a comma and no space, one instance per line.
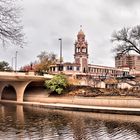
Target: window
60,68
77,50
69,67
53,68
84,50
89,69
84,70
77,68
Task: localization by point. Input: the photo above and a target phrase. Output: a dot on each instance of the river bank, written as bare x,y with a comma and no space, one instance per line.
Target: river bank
113,106
86,99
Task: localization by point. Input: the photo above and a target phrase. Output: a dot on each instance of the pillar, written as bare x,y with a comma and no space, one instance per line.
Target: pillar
20,88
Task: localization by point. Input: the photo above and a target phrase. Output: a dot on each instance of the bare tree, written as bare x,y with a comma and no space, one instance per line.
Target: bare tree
127,39
45,60
10,23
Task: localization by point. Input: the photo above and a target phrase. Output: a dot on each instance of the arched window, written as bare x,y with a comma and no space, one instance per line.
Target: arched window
78,50
84,50
84,70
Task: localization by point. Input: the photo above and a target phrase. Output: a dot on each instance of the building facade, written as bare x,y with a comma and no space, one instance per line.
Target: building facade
81,68
132,62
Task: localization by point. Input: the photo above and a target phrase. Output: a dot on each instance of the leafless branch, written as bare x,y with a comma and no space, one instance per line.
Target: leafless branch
10,23
127,39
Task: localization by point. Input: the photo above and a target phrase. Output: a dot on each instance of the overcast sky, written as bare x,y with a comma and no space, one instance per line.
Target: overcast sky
47,20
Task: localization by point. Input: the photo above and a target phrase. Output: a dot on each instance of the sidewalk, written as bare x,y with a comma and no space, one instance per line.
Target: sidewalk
84,108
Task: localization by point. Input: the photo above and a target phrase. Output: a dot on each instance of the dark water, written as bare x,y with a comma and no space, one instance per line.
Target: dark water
34,123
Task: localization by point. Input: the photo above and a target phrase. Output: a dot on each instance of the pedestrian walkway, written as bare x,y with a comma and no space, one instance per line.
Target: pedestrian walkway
85,108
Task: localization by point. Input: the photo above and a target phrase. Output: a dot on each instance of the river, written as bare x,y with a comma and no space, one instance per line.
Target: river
19,122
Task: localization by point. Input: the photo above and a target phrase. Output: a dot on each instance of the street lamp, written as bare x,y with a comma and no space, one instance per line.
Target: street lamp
60,39
60,65
12,64
16,61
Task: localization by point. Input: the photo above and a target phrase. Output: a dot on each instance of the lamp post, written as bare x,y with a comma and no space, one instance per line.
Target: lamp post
16,61
12,64
60,66
60,39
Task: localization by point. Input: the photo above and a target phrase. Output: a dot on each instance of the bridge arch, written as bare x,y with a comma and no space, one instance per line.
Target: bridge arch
18,82
17,87
8,92
35,91
20,88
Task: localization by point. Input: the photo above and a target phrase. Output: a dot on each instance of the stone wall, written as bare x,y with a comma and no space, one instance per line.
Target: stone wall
91,101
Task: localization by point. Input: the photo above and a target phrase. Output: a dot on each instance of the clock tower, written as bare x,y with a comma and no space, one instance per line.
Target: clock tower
81,51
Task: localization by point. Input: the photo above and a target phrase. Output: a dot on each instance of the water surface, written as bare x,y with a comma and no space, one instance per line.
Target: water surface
34,123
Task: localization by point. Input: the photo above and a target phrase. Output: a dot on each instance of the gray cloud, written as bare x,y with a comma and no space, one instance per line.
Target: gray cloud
127,3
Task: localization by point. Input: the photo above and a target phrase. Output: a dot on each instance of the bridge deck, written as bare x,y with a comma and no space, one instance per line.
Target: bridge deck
12,76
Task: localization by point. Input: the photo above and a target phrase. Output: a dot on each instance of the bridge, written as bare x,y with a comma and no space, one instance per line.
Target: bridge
18,82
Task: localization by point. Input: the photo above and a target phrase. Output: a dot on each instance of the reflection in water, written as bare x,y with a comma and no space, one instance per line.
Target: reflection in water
34,123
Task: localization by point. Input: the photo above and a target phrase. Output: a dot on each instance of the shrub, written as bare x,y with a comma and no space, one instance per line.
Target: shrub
58,83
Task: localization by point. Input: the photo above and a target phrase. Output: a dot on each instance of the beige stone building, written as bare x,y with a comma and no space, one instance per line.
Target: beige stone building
81,69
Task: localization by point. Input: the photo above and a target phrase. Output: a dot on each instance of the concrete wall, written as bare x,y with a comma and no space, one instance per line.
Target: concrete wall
13,73
36,94
109,102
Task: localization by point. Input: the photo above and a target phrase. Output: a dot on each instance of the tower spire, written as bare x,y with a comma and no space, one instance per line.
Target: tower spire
81,33
81,51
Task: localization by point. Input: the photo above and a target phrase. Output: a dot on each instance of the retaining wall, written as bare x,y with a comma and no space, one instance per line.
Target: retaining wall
109,102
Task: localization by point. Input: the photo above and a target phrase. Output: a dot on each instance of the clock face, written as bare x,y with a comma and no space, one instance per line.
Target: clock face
81,39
